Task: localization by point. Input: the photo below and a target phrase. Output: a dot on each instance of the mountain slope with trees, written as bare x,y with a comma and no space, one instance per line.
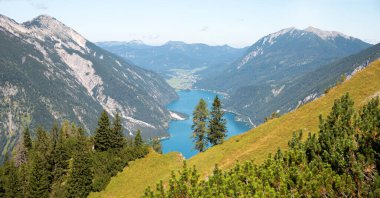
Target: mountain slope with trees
50,72
257,143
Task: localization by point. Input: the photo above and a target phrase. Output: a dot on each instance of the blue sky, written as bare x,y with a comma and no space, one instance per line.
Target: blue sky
216,22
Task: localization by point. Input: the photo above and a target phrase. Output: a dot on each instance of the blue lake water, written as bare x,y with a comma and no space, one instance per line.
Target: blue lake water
180,130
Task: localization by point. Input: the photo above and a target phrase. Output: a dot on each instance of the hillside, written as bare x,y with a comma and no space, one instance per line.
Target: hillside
301,90
274,63
50,72
257,143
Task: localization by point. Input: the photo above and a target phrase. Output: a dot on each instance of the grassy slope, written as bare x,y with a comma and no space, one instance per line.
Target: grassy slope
135,178
255,144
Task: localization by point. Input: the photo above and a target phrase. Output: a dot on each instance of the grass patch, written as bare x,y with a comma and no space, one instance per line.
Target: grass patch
140,174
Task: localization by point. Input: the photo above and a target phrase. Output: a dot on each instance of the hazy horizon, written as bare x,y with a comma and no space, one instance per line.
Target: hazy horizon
233,23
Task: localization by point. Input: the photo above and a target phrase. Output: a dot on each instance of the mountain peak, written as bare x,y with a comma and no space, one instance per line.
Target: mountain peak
136,42
48,26
325,34
44,21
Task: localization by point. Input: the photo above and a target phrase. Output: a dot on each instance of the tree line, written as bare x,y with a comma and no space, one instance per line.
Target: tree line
65,162
208,126
341,160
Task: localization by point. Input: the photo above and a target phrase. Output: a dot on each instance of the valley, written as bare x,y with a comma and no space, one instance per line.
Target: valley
188,99
182,79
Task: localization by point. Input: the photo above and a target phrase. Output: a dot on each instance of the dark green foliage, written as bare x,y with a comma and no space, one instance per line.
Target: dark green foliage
138,142
103,133
40,176
117,133
60,160
55,134
217,124
341,162
80,177
64,163
199,126
156,145
11,180
26,138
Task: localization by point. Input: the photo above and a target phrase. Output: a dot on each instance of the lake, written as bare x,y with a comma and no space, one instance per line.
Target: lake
180,130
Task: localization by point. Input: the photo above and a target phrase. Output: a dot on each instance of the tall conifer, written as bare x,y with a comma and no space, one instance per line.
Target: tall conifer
103,133
217,124
200,116
117,133
80,180
26,138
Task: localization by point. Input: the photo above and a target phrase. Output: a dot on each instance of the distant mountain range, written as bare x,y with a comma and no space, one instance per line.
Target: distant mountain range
255,82
173,55
50,72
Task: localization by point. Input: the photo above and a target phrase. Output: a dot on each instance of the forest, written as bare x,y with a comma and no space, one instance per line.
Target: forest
64,162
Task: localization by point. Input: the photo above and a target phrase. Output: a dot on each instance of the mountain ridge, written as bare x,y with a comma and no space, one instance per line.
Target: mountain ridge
53,73
275,62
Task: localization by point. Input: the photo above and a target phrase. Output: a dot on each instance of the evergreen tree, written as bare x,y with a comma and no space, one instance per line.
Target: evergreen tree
60,160
103,133
26,138
40,174
156,145
12,182
138,142
217,124
55,133
200,116
117,133
80,179
24,176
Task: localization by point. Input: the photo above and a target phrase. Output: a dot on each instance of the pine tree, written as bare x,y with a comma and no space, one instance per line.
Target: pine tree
55,134
26,138
24,176
200,116
103,133
138,142
12,182
40,174
156,144
60,160
117,133
217,125
80,179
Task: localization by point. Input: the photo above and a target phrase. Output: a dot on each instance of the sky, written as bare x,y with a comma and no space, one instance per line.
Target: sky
237,23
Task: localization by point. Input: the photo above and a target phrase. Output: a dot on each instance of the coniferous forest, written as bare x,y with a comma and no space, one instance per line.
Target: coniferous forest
340,160
64,162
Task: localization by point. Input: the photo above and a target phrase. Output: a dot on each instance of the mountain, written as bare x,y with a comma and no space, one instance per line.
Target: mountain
176,60
275,62
50,72
292,94
173,54
254,145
